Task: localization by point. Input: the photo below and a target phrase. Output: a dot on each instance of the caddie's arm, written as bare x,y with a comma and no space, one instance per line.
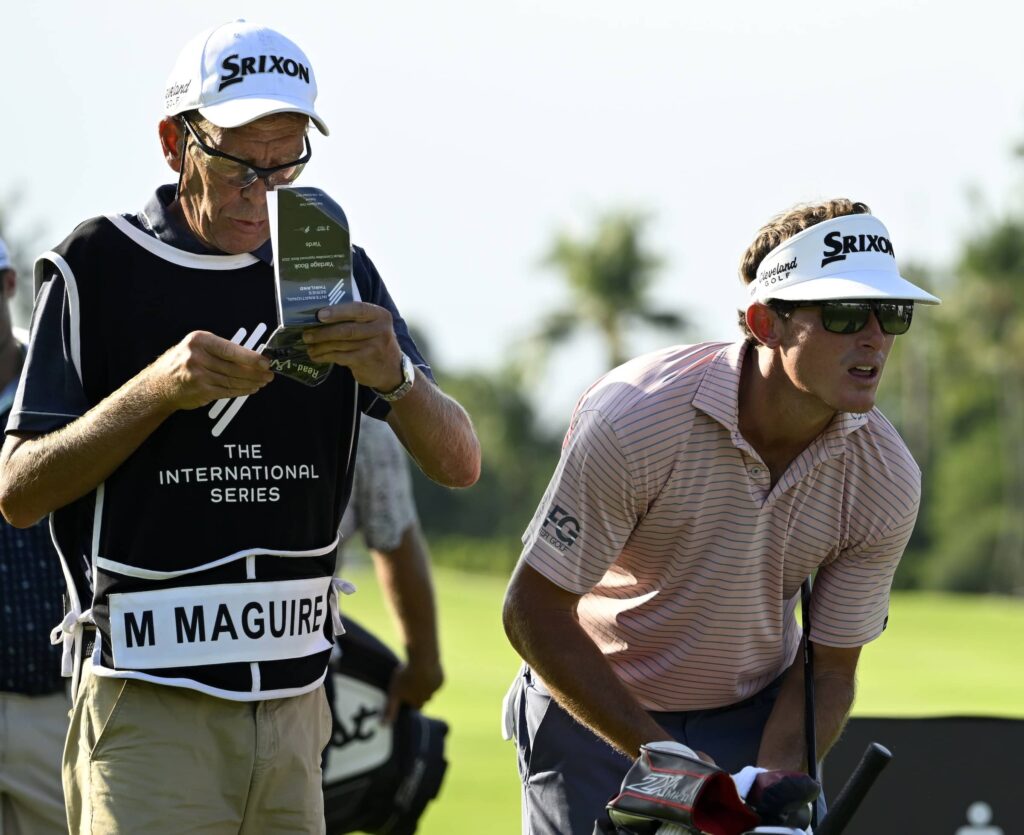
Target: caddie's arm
40,473
438,434
783,743
540,622
435,429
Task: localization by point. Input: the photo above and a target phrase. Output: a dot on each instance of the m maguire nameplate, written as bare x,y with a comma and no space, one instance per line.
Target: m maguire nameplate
313,269
219,624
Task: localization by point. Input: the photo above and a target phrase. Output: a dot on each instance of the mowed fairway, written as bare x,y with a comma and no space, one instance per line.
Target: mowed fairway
942,655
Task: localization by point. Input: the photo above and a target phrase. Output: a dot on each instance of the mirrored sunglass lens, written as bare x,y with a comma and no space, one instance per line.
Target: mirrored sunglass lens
895,318
844,318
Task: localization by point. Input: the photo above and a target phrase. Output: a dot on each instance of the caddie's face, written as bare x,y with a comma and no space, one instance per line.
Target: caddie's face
227,218
839,371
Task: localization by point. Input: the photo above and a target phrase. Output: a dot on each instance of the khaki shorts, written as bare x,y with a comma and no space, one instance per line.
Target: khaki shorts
150,758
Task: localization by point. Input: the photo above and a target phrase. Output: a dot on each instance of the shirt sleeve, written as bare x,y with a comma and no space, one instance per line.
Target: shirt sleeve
588,511
385,507
850,601
50,394
372,290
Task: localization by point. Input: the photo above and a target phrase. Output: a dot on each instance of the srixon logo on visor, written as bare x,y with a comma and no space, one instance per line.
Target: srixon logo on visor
236,69
838,246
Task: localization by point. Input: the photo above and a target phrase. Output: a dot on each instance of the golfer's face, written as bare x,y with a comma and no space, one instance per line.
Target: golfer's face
840,370
225,217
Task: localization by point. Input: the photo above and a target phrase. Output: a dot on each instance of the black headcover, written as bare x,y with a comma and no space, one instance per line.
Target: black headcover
377,778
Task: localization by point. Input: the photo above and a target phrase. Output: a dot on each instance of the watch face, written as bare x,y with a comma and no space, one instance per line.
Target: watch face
408,378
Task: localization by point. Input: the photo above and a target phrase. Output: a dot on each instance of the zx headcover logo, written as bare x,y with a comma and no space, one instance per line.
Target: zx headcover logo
235,70
226,408
838,246
566,528
667,787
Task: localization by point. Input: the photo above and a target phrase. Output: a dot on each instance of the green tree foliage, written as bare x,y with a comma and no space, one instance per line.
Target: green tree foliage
979,502
480,528
956,392
609,275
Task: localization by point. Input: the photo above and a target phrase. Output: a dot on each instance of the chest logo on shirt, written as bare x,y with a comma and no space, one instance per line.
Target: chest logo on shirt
563,530
223,411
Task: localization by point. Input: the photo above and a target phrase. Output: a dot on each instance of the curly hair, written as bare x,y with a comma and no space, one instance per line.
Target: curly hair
784,226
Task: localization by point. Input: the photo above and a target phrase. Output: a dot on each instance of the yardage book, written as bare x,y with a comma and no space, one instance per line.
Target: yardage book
312,269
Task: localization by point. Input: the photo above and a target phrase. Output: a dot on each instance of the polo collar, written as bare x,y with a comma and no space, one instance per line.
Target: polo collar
719,390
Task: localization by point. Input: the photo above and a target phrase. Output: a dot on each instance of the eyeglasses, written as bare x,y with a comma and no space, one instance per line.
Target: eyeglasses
852,316
241,174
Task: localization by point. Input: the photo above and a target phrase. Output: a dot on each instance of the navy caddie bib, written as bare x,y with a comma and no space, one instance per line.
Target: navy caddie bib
207,557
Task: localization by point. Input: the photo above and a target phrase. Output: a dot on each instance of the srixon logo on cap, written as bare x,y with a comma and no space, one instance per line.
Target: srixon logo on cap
838,246
235,70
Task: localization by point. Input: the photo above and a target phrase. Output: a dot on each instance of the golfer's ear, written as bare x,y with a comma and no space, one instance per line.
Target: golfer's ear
765,324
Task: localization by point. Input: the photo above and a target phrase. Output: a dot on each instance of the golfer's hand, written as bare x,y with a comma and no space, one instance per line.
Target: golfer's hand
204,367
361,337
412,684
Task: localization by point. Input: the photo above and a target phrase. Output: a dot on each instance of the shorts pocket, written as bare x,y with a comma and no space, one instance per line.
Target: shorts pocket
105,700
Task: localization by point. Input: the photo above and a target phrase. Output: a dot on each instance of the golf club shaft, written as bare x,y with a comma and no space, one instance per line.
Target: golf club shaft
875,758
809,729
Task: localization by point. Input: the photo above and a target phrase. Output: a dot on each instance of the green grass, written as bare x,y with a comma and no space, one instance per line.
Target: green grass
481,789
941,655
946,655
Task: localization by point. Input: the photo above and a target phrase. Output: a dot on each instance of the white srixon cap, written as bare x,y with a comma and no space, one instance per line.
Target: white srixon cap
849,257
5,257
238,72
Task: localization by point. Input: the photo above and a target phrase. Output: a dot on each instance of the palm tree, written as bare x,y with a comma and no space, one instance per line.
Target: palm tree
609,276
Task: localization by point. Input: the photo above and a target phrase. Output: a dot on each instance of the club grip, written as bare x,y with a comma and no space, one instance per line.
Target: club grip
875,758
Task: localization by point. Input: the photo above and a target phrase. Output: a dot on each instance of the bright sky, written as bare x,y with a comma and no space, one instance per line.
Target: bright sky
464,134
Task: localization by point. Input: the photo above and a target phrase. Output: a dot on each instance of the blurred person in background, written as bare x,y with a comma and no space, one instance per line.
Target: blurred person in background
699,485
383,511
33,698
374,695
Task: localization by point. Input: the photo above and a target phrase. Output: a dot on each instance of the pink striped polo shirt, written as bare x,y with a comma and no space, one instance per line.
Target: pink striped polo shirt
663,517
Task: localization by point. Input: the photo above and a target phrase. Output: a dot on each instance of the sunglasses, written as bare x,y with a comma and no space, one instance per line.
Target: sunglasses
241,174
852,316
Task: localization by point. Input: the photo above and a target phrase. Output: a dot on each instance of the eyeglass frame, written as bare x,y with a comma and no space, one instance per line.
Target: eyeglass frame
260,172
785,309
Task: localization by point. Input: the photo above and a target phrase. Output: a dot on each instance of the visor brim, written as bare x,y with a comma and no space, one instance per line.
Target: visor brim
860,285
242,111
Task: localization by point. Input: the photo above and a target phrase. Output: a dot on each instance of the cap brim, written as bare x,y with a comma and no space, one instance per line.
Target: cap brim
242,111
867,284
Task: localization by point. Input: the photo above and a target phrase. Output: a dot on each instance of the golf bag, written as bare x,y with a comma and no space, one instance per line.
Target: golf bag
377,778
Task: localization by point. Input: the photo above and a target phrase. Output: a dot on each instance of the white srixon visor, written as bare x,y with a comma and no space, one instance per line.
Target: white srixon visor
849,257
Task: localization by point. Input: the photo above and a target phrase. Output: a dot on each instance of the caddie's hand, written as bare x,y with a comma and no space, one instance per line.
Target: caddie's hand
204,367
361,337
412,684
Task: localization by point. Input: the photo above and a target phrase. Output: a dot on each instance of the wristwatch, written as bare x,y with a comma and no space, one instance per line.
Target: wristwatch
402,389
